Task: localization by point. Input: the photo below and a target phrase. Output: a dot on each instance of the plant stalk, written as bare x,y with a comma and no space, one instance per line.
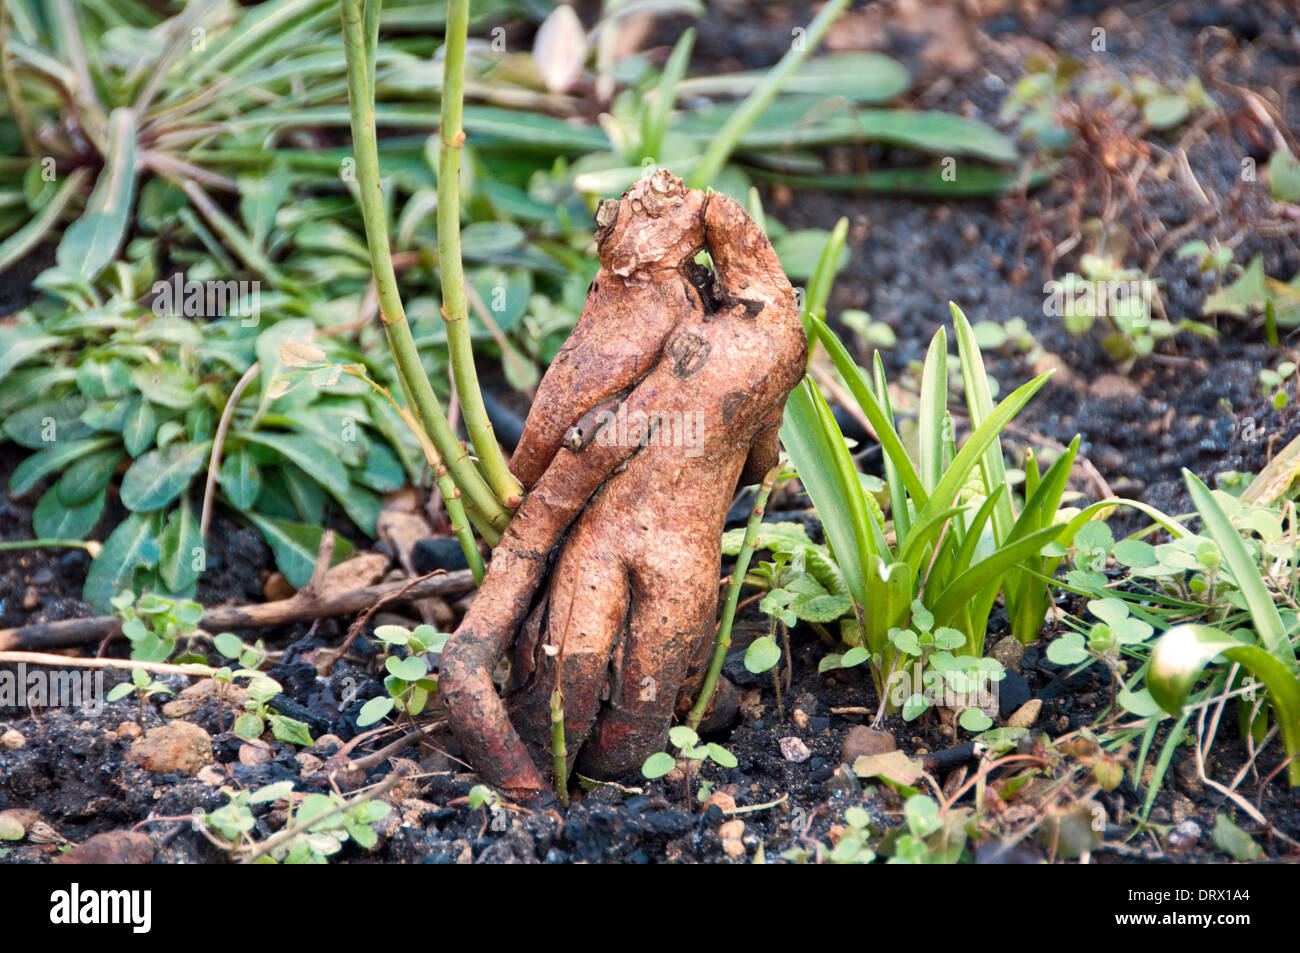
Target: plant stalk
455,308
723,642
415,384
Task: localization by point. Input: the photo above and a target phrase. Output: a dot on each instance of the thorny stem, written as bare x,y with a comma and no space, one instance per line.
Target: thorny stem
454,306
723,642
415,383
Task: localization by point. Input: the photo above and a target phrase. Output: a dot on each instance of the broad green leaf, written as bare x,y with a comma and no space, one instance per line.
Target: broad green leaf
91,243
762,654
168,385
657,765
321,463
295,546
88,476
160,476
241,478
38,426
181,553
28,474
54,519
139,426
134,544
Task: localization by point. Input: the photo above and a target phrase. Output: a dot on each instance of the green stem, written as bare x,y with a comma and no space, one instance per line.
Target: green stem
559,752
740,121
88,545
410,370
460,526
723,642
455,309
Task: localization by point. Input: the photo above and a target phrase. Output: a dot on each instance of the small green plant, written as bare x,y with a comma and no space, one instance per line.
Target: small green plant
315,829
408,682
153,623
143,686
1266,647
259,715
1273,380
1124,300
1105,641
957,541
688,745
929,670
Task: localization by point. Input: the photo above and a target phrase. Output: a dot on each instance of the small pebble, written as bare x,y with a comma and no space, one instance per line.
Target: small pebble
734,849
732,830
794,750
12,739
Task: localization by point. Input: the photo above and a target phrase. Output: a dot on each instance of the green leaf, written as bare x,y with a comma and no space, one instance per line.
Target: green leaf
1181,654
762,654
1263,613
160,476
91,243
249,726
408,669
139,426
54,519
240,478
167,384
229,645
321,463
295,546
38,426
1067,649
657,765
1233,841
28,474
120,691
290,730
271,792
682,736
132,545
1284,176
374,710
854,657
974,720
20,342
88,477
180,549
722,756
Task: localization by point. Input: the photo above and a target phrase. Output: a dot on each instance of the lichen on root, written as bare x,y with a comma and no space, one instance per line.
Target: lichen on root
667,396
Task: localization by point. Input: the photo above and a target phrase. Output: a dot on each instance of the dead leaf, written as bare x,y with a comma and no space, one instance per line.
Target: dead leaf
560,49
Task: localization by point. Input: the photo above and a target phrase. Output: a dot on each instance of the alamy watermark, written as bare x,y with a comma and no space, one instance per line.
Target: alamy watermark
655,428
208,299
1098,299
52,688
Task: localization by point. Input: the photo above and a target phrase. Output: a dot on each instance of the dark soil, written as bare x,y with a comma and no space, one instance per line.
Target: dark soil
1197,406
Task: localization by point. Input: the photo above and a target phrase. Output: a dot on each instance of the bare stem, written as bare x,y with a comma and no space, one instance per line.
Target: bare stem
415,383
723,642
455,312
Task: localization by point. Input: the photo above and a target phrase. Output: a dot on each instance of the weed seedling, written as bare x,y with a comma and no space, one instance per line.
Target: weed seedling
143,686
